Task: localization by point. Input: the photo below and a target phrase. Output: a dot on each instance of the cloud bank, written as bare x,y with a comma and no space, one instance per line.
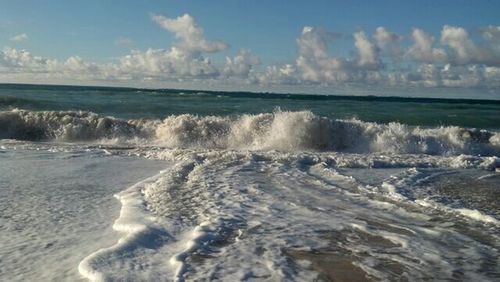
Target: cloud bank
455,58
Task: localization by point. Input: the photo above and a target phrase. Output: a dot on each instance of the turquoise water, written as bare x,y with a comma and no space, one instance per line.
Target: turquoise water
134,103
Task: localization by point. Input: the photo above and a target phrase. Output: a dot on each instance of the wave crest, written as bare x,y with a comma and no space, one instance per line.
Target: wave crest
62,126
280,130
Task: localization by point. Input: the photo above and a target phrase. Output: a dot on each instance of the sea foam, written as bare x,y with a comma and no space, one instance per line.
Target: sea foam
280,130
235,215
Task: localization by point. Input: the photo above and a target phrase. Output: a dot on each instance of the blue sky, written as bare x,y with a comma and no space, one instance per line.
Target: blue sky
102,33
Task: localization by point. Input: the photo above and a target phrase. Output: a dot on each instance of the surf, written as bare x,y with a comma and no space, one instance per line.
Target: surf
279,130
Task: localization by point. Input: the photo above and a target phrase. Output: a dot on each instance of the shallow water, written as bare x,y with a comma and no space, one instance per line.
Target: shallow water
57,207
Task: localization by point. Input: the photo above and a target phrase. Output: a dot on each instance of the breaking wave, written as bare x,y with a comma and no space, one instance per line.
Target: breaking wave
280,130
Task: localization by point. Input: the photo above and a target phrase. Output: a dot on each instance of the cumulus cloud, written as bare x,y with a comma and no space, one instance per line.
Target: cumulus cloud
23,64
313,59
425,75
77,65
171,63
462,76
492,76
381,57
190,35
491,33
422,49
317,66
241,65
466,51
23,61
285,74
467,64
458,76
184,60
367,53
19,38
385,38
458,39
388,42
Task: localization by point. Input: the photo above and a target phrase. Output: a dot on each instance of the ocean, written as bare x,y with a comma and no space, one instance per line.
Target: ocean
123,184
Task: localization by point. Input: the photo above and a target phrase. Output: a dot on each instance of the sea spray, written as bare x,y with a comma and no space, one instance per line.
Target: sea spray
280,130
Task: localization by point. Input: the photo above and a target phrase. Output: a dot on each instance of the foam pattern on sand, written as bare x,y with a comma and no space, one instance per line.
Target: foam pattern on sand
236,216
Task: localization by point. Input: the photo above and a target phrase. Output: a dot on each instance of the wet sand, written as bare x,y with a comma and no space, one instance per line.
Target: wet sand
336,264
331,266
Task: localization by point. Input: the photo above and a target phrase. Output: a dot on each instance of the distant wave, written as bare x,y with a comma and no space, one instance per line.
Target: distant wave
280,130
12,102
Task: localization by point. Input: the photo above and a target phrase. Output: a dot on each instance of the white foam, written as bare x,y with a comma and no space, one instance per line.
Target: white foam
469,213
477,215
280,130
195,239
232,215
137,227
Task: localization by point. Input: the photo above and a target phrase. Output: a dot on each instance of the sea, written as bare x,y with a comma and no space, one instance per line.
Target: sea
125,184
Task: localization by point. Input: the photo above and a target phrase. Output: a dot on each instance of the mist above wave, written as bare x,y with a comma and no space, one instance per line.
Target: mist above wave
280,130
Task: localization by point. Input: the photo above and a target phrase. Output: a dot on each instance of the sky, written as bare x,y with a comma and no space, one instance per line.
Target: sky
281,46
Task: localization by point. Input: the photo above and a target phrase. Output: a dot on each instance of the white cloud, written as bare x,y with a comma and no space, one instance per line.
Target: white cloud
19,38
458,39
491,33
422,50
174,63
23,61
184,60
241,65
23,64
426,75
380,58
367,54
77,65
466,51
316,65
462,76
458,76
313,60
492,76
384,38
388,42
189,33
285,74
